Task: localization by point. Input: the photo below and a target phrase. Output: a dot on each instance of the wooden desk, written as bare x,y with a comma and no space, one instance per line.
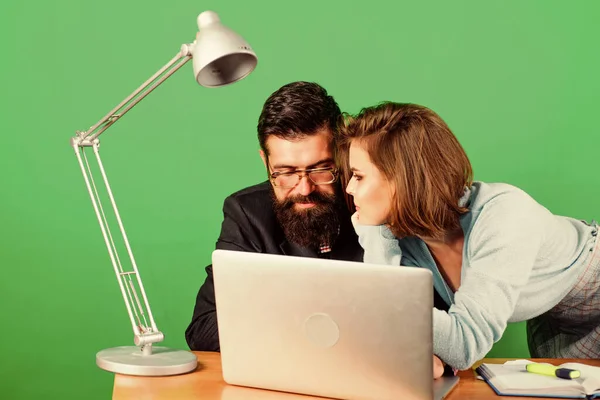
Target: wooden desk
206,383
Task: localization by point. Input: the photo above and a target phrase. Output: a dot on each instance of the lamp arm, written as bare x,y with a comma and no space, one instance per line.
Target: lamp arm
144,327
87,137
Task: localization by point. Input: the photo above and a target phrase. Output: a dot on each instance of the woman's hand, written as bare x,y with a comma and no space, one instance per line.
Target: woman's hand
438,367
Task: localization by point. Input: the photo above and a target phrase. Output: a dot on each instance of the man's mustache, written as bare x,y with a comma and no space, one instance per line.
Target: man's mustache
317,198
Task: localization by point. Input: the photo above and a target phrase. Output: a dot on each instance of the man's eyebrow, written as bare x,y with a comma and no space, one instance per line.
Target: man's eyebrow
328,160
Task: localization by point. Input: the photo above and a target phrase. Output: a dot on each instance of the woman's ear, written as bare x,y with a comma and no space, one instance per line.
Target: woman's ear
392,186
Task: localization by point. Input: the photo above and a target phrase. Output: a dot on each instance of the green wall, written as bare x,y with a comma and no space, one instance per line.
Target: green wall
516,80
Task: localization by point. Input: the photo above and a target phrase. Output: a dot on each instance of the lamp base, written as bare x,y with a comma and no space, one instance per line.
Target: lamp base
129,360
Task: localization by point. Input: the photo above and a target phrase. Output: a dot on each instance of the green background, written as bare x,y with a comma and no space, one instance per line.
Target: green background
516,80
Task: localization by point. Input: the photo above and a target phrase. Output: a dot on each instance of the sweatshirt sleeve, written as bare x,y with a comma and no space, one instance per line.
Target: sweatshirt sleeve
378,242
501,251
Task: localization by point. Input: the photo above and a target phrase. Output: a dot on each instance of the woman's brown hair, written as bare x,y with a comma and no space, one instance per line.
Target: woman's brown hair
420,156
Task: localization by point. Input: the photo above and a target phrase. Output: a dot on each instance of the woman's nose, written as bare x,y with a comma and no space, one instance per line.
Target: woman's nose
350,188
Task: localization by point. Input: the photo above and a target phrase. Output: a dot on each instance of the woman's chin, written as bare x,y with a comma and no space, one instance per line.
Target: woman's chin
365,220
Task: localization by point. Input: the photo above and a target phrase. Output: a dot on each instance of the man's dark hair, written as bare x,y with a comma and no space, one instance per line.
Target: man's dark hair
296,110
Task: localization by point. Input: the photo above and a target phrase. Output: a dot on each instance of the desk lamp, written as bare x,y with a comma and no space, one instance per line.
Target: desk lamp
220,57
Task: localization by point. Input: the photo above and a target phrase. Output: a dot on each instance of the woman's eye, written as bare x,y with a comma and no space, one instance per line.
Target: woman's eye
357,177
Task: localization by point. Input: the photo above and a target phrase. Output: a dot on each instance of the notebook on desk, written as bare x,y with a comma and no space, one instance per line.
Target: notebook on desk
512,379
329,328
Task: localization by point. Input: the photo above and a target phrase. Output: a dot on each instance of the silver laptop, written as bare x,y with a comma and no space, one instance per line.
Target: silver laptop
338,329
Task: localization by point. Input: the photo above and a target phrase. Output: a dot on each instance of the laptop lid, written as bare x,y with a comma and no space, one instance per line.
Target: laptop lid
323,327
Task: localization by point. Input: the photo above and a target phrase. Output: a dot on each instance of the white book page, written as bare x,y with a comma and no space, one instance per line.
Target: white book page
589,374
515,378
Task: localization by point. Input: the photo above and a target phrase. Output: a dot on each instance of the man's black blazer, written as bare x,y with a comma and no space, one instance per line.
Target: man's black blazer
250,224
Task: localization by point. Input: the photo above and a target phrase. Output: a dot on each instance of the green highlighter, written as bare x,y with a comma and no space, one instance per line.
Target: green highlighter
551,370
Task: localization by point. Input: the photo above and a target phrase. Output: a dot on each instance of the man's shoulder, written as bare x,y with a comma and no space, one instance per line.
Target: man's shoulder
255,202
256,193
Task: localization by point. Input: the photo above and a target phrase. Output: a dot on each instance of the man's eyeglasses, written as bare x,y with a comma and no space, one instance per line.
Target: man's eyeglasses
318,176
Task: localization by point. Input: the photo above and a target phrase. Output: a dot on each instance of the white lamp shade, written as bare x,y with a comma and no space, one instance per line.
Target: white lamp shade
220,56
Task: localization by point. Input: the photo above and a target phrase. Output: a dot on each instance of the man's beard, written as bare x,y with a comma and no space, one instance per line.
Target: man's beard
310,227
